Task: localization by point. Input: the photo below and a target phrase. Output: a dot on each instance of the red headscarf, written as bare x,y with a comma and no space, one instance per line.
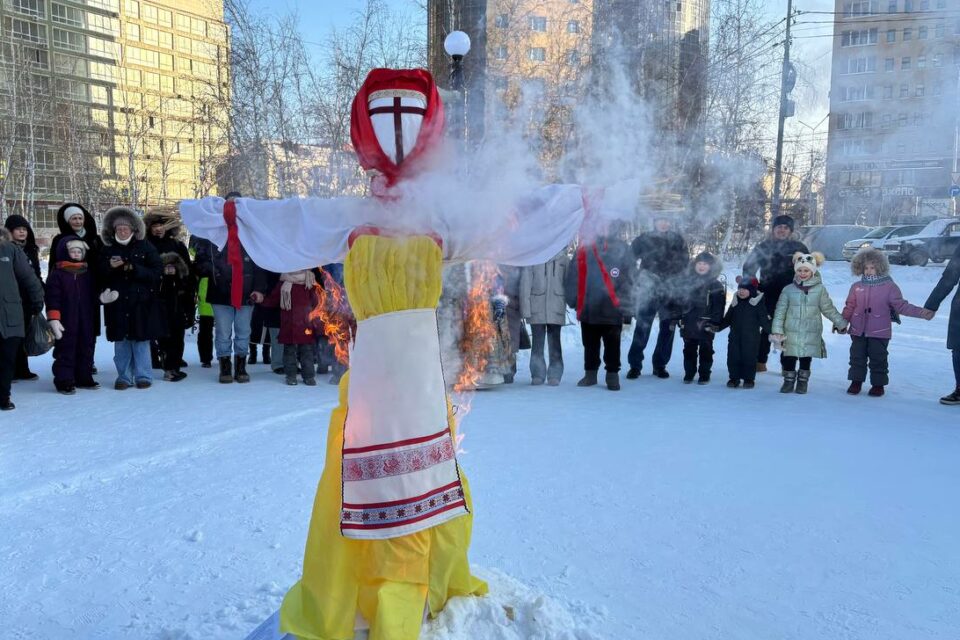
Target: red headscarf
365,143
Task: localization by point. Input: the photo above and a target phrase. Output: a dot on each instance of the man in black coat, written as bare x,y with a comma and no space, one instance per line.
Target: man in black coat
22,236
663,258
231,317
948,281
16,275
131,270
599,286
773,260
163,233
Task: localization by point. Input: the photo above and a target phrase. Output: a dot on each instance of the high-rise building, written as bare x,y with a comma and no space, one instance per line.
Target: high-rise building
107,101
893,110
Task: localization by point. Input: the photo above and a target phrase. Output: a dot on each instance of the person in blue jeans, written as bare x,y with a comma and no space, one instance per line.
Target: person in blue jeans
948,282
231,318
131,271
663,257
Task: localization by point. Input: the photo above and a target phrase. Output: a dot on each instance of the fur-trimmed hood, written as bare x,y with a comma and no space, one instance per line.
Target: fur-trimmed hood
89,222
716,266
60,251
172,258
878,258
754,301
110,219
172,225
14,221
5,236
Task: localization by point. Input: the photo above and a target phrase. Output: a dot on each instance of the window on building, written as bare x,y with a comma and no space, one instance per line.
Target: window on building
921,91
151,36
131,8
502,21
888,64
904,90
939,30
103,24
69,40
573,26
502,52
924,5
907,6
148,13
134,77
28,31
861,8
864,64
66,15
183,23
151,81
166,61
165,18
903,119
573,57
887,121
166,40
907,34
905,63
537,54
183,44
166,84
28,7
891,35
198,27
538,23
922,33
102,48
921,62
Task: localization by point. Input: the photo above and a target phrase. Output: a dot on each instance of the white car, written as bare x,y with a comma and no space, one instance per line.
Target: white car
877,238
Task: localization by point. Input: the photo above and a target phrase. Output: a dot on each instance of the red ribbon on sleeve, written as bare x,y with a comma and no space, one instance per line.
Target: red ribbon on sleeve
234,254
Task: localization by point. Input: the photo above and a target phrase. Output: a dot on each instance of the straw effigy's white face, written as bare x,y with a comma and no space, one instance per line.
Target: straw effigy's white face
397,115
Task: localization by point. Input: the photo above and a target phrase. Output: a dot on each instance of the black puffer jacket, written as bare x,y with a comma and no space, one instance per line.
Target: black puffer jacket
138,313
212,263
89,236
170,242
662,253
16,275
948,281
773,260
702,299
599,306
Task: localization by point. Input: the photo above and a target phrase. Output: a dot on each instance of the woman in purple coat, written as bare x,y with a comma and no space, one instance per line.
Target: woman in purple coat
72,310
873,303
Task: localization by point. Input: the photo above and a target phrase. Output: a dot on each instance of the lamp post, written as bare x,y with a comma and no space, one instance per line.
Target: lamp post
457,45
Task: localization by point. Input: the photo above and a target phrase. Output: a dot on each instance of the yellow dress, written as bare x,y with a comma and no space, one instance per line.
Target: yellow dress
388,581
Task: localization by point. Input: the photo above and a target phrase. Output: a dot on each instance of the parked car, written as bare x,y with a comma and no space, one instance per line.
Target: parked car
937,241
830,239
876,238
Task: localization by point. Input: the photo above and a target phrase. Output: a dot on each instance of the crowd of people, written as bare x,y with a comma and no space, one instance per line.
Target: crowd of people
152,289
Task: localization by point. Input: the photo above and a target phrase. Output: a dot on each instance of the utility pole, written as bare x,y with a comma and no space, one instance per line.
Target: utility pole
788,79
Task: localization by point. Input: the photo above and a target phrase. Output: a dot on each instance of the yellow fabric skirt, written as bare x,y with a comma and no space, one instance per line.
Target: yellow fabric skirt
389,582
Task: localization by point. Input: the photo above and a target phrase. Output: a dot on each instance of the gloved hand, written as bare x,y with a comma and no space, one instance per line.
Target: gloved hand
711,328
56,327
109,296
776,341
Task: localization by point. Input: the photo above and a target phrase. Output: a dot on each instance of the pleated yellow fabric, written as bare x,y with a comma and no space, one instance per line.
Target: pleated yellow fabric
388,581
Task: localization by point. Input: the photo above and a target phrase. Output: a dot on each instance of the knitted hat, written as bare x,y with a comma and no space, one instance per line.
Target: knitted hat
782,219
811,261
705,256
77,244
752,285
72,210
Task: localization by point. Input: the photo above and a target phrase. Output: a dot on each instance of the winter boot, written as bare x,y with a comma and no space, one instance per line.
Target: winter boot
952,398
875,391
633,374
761,367
789,381
89,385
267,354
291,380
226,372
855,388
733,383
67,388
803,377
663,374
613,381
174,375
240,369
589,379
536,382
688,378
6,405
749,384
252,358
704,378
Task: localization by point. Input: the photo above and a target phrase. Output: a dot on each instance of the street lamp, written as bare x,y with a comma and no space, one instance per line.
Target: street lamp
457,45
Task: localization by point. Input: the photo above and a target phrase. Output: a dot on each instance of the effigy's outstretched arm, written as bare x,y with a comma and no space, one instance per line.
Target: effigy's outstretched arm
282,235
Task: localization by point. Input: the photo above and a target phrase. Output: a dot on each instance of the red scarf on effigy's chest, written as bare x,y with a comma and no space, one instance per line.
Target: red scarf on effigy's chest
582,278
234,254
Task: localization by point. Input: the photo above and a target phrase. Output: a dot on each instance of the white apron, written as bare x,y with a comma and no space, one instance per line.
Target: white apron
400,471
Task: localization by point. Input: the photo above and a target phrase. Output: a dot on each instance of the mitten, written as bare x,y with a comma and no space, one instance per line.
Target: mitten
56,327
109,296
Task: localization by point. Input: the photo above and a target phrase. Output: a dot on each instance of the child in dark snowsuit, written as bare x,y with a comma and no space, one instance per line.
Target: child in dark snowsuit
297,299
72,311
704,297
746,317
177,291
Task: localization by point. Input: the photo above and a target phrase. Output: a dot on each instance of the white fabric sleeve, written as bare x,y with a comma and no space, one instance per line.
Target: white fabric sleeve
282,235
539,226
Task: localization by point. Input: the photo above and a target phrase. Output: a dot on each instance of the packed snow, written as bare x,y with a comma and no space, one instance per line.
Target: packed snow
664,511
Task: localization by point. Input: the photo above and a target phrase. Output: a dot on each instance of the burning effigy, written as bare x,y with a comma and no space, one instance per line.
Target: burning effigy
392,517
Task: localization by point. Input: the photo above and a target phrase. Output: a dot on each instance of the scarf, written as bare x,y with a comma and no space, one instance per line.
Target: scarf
123,242
81,233
72,267
582,279
305,278
872,281
803,287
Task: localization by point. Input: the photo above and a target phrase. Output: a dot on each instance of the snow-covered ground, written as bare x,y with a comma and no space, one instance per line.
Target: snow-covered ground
661,512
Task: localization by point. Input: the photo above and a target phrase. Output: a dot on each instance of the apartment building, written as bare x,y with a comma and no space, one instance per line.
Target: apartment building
893,110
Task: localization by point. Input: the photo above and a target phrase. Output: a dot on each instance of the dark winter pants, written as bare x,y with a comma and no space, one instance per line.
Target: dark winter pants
302,354
22,365
593,335
870,352
790,363
742,358
172,349
205,339
697,352
641,335
956,366
73,360
549,333
8,356
770,298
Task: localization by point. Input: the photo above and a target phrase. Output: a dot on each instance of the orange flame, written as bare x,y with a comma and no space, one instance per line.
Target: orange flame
333,314
479,331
